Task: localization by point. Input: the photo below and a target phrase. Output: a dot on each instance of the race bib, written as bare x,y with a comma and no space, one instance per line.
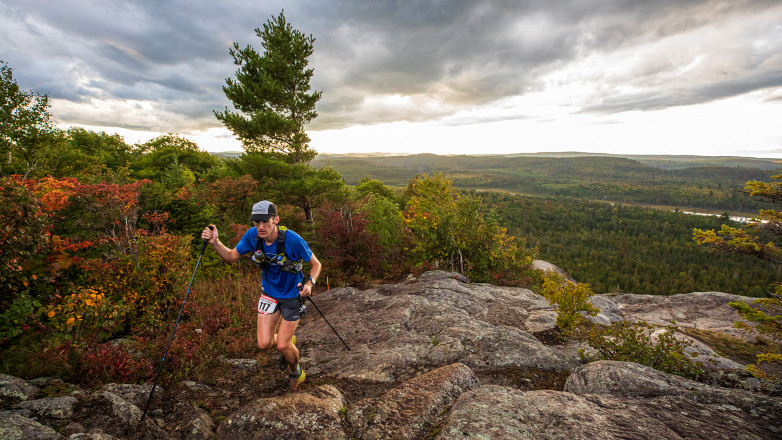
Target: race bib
267,305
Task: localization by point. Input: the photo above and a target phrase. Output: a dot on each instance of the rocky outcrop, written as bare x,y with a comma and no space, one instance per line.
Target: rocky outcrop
698,310
427,361
395,332
545,266
700,352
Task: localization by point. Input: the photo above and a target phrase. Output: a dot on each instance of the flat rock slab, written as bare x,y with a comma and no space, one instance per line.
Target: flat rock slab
494,412
631,380
396,332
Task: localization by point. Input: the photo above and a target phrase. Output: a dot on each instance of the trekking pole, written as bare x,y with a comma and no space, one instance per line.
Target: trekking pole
327,321
157,376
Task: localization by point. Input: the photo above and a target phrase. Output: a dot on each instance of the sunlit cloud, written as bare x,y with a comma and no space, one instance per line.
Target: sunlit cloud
461,75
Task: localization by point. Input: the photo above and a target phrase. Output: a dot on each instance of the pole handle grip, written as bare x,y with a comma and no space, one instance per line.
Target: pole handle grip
203,247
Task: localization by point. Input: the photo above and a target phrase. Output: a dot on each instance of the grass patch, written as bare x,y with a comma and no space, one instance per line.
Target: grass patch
731,347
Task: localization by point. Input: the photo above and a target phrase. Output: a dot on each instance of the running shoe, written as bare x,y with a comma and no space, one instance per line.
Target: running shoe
297,380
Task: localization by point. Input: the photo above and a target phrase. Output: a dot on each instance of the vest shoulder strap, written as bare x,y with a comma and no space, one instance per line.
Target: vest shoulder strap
281,230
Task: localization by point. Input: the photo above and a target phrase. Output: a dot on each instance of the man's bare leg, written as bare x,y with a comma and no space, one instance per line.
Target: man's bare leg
285,344
276,329
265,330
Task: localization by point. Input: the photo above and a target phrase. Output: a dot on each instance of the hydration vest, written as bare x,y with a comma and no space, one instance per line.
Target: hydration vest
281,259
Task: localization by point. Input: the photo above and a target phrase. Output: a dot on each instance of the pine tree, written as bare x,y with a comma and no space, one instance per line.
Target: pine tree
271,92
743,240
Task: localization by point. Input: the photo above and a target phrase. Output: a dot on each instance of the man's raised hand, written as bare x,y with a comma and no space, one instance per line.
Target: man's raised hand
209,234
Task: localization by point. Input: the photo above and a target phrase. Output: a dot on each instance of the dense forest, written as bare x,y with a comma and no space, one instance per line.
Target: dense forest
619,248
607,178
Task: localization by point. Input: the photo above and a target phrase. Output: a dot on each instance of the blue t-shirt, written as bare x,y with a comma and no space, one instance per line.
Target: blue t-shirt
278,283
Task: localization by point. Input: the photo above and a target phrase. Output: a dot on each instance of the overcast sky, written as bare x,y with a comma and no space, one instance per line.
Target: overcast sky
446,77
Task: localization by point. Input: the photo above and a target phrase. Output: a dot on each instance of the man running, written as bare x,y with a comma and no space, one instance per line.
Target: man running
283,284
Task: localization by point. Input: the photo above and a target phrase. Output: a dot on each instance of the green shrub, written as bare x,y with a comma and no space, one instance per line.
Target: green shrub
769,324
632,342
571,300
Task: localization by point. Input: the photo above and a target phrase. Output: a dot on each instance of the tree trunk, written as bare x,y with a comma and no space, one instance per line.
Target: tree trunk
308,212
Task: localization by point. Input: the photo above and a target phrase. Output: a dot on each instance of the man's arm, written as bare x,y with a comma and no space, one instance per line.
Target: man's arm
228,255
306,288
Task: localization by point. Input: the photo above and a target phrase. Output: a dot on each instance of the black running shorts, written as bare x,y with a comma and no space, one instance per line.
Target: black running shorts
290,307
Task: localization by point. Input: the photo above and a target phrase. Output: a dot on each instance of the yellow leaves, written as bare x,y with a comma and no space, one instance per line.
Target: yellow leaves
570,298
70,322
51,314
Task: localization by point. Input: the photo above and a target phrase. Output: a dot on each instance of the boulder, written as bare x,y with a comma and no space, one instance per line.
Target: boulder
14,389
59,408
609,310
395,332
193,422
135,394
16,427
123,411
312,415
411,409
545,266
506,413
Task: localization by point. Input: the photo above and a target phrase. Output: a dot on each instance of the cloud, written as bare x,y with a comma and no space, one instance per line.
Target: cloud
382,62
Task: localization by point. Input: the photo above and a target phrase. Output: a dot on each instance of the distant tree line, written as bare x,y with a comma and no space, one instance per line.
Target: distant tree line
613,179
618,248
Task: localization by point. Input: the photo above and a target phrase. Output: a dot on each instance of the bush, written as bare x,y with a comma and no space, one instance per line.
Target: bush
24,233
352,251
633,342
113,362
769,324
571,300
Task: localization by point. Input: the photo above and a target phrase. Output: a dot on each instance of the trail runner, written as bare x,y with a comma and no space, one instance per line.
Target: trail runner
283,286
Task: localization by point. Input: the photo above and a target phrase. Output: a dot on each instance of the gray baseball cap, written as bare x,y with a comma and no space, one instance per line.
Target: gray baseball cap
263,211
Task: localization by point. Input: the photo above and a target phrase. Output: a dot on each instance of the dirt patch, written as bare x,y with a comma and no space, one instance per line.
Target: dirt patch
550,337
523,378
